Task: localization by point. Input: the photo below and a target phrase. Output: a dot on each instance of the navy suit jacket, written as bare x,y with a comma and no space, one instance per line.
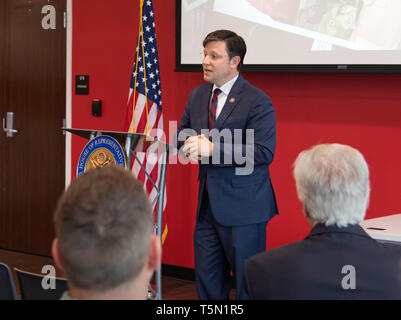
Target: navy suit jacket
236,199
312,268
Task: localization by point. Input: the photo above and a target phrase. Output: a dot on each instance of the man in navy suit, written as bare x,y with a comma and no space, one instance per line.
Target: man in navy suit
235,198
338,259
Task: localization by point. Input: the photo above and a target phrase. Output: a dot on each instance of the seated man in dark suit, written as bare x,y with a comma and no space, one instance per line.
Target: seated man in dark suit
338,259
104,240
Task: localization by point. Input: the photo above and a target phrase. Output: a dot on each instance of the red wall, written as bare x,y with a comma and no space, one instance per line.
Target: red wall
363,111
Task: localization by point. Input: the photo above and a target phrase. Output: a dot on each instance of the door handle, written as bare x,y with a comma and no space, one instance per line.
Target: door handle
9,127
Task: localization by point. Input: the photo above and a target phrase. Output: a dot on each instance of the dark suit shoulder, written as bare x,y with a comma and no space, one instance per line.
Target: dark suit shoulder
204,88
265,271
314,268
389,248
278,255
254,91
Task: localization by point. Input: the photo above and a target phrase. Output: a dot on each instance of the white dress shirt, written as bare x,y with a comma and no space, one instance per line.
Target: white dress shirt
222,97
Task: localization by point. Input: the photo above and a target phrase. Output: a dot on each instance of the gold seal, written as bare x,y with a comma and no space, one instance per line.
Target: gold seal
101,151
100,158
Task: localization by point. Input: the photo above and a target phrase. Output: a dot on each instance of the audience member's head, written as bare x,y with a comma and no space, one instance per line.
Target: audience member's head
332,182
104,241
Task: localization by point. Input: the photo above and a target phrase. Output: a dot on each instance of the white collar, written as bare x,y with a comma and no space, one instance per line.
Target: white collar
226,88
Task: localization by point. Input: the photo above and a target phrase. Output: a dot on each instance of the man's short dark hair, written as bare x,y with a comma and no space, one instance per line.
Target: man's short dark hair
104,227
235,44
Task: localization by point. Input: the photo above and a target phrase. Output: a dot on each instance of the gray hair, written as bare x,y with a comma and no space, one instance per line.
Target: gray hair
104,226
332,182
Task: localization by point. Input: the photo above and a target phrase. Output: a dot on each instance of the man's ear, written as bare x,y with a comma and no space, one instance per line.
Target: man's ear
155,252
56,255
308,218
306,213
235,62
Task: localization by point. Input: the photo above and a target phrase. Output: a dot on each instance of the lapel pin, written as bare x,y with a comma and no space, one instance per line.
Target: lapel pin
232,100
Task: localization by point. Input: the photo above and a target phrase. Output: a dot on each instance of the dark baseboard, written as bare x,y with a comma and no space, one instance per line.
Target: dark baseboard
182,273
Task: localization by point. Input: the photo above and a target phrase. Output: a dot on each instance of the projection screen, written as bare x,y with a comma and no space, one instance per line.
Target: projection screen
296,35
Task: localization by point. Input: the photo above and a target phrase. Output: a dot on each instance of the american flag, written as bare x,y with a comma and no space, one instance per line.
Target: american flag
144,109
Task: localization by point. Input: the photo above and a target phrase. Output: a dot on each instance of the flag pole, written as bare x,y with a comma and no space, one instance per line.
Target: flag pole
131,129
144,73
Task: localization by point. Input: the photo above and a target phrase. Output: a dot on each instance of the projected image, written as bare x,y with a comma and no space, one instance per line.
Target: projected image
298,31
364,24
335,18
331,17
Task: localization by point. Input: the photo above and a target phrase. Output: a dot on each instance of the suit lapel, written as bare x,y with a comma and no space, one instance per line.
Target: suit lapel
204,107
231,102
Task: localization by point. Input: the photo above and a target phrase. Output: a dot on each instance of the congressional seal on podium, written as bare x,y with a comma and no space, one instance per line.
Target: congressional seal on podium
101,151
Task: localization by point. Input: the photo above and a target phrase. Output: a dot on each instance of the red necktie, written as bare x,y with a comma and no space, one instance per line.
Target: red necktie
212,114
213,107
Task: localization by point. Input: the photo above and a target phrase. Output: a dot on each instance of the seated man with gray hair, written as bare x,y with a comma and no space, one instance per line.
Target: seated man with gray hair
104,241
338,259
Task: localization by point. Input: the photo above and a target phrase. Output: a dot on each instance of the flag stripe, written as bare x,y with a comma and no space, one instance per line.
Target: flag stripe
145,97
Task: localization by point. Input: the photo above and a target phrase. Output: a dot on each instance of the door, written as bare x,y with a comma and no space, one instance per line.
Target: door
32,86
